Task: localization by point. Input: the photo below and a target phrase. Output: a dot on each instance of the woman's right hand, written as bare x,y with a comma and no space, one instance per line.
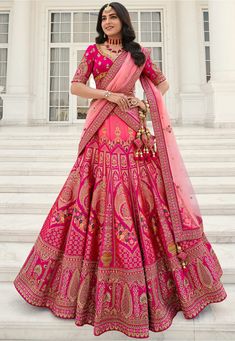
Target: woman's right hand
120,99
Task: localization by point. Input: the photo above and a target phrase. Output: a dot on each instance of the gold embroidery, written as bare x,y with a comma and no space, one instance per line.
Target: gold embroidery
98,199
106,258
117,132
73,285
121,206
126,302
38,269
101,75
80,75
204,274
172,248
83,292
159,76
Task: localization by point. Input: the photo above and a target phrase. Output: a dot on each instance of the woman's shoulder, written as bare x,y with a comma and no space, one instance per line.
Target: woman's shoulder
91,48
145,50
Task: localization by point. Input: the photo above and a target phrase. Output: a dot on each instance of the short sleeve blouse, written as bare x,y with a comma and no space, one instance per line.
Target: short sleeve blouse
93,61
85,67
153,71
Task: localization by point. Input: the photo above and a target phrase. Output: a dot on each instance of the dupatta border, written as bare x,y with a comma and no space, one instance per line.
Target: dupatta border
96,124
114,68
179,233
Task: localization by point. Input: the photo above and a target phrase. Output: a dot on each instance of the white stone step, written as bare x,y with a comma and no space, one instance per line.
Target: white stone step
41,144
20,320
25,155
62,142
208,169
36,168
62,155
72,130
219,229
21,227
32,184
40,203
216,203
13,254
206,184
26,227
52,184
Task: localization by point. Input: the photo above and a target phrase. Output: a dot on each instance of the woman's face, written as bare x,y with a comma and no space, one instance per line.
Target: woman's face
111,24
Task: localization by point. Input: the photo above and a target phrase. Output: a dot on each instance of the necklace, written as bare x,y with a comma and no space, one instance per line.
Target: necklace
116,41
117,49
110,42
113,50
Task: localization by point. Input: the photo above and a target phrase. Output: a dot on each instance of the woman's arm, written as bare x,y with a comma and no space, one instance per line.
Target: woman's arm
83,90
163,87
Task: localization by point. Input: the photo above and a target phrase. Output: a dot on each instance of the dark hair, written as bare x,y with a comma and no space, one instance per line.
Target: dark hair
128,33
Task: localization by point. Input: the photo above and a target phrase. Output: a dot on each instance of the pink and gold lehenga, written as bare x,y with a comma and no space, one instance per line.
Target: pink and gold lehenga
123,246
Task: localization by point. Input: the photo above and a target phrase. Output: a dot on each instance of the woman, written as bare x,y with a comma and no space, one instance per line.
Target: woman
123,246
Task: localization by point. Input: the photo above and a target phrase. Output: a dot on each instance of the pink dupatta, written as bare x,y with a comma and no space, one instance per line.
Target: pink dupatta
185,212
183,206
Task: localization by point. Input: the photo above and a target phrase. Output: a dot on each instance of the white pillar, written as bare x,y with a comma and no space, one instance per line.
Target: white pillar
16,101
221,87
191,97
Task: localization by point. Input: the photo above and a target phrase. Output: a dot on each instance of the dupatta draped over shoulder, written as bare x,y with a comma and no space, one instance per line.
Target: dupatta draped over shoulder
121,77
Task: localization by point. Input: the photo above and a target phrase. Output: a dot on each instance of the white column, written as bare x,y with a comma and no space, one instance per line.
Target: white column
191,97
16,101
221,88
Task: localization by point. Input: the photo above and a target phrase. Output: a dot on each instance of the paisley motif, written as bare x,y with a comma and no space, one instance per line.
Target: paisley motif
83,292
122,207
126,302
204,274
73,285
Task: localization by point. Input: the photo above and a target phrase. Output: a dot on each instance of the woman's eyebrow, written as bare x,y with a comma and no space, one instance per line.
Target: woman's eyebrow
103,16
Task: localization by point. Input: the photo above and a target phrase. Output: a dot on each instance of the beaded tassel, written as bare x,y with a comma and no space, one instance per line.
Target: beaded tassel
182,257
145,142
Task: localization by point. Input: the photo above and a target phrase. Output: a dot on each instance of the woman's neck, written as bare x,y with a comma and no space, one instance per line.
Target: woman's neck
114,40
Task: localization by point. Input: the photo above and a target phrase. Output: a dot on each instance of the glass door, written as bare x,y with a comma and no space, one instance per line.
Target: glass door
80,105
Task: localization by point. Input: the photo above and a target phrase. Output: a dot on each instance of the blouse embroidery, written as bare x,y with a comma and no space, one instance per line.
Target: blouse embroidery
85,67
153,71
97,62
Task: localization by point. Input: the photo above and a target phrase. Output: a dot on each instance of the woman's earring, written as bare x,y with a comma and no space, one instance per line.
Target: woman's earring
104,35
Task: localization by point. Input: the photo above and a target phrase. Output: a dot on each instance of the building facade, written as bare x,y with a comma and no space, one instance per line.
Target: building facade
42,42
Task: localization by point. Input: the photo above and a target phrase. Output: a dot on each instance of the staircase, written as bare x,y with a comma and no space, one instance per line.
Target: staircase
34,164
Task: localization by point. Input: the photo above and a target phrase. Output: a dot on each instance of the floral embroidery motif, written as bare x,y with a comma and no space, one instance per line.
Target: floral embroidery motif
152,70
81,72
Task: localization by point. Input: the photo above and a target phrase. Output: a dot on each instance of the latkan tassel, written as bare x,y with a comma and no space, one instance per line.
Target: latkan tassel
141,157
182,257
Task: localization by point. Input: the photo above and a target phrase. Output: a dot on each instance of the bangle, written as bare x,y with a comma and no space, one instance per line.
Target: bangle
107,94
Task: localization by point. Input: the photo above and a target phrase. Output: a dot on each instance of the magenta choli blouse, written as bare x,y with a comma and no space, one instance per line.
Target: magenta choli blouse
98,63
95,61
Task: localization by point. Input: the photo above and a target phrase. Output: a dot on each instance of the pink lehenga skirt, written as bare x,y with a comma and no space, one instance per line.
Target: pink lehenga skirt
100,257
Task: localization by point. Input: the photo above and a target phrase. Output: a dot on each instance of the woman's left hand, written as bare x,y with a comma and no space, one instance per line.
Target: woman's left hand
136,102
